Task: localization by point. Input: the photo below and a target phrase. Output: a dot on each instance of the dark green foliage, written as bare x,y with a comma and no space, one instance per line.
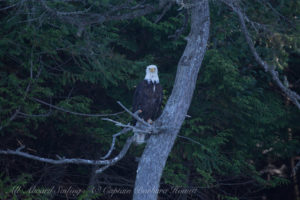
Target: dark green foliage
235,115
240,121
15,188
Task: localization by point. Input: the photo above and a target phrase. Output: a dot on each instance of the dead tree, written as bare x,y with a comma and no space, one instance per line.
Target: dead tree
159,146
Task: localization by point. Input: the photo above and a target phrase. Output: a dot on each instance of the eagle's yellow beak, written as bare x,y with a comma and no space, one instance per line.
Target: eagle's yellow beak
152,69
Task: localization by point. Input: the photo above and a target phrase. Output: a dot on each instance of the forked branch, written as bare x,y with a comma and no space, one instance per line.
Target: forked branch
62,160
103,161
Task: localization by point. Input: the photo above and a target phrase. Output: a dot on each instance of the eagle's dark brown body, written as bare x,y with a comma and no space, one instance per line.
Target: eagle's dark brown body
148,98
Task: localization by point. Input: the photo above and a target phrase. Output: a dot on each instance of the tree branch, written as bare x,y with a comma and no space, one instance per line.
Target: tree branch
134,115
35,115
125,126
82,18
8,7
125,130
180,31
102,161
294,170
72,112
293,96
190,139
63,160
165,10
119,157
277,13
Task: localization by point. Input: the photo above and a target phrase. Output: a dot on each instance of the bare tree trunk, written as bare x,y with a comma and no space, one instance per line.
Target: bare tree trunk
159,146
292,161
296,186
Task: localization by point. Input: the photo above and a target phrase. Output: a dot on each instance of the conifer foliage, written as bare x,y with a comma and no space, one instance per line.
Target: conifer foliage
65,64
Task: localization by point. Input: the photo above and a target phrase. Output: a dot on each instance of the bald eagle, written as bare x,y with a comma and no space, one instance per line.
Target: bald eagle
147,100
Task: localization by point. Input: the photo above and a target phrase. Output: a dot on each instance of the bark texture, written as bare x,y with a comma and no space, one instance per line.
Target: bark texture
159,146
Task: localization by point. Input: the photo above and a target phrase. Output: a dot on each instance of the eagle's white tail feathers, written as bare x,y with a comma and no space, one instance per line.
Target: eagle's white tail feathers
138,137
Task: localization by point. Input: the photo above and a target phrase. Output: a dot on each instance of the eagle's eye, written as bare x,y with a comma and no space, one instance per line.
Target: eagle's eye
152,69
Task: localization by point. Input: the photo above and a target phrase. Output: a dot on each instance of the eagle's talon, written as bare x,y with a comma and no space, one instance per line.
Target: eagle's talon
150,121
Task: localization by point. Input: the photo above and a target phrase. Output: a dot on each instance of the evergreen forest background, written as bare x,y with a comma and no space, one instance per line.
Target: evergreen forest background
241,140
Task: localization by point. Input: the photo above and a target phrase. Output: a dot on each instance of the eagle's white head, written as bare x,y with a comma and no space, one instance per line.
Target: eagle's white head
152,74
